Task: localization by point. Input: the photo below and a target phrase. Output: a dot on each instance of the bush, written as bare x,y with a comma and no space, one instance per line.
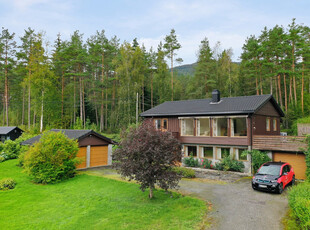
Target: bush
7,183
207,164
229,164
184,172
299,203
52,159
191,162
307,153
257,159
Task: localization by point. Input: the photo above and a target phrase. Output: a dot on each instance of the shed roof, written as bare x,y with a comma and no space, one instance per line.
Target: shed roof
7,129
226,106
72,134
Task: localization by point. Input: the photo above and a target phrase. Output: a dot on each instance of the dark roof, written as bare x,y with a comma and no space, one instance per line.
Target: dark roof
6,129
227,105
72,134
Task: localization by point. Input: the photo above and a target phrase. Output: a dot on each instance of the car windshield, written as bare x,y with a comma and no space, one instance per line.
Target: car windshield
270,170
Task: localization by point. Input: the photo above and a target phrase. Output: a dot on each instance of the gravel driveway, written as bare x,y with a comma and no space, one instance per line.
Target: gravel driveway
237,206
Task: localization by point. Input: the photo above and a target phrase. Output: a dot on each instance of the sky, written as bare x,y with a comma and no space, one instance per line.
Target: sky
229,22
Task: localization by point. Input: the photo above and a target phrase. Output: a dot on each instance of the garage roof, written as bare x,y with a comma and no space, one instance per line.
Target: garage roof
72,134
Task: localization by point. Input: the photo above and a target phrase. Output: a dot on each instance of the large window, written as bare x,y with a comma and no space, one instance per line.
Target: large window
220,127
203,127
207,152
161,124
192,151
238,127
187,127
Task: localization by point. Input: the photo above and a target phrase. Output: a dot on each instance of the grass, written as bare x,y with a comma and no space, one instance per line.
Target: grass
92,202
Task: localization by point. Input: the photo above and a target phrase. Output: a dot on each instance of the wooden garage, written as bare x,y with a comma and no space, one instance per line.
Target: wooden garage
94,149
297,160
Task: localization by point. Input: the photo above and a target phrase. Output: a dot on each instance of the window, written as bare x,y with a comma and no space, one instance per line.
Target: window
187,127
239,155
161,124
267,124
207,152
192,151
274,124
220,127
203,127
158,124
238,127
165,124
225,152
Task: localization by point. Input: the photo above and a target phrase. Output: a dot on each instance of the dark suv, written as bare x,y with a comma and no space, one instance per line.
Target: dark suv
273,176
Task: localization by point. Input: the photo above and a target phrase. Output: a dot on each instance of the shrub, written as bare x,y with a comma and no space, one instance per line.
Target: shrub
257,159
52,159
229,164
7,183
191,162
299,203
184,172
205,163
2,158
307,153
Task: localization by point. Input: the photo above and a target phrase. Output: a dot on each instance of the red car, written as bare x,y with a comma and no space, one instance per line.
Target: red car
273,176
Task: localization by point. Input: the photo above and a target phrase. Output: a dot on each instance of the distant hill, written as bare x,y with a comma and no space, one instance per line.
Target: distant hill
185,69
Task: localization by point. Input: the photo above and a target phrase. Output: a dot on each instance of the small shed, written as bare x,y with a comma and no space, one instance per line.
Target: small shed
10,133
94,149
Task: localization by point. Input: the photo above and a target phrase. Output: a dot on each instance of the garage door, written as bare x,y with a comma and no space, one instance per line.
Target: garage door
298,161
82,155
98,155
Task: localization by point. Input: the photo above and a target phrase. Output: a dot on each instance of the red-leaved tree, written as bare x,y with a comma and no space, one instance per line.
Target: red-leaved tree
148,155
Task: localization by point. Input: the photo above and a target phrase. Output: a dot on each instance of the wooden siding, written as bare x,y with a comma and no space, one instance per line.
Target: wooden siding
297,160
98,156
173,124
259,125
93,141
268,110
279,143
82,155
238,141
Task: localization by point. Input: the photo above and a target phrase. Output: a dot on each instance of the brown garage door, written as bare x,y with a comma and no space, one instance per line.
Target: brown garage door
298,161
82,155
98,155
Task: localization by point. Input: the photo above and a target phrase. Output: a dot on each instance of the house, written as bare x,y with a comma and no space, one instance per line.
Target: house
94,149
10,133
217,127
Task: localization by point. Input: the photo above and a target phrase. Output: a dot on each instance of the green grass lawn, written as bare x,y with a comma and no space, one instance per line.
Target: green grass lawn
92,202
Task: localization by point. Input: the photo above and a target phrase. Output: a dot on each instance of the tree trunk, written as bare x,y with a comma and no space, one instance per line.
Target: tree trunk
257,89
74,98
83,95
276,86
285,93
152,89
151,192
171,76
302,88
291,94
81,100
42,107
62,98
102,94
280,93
29,99
6,89
23,108
294,78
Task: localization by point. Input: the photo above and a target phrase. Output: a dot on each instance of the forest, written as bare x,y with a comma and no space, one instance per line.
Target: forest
102,84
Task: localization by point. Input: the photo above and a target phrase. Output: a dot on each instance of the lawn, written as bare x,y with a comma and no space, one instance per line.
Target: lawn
92,202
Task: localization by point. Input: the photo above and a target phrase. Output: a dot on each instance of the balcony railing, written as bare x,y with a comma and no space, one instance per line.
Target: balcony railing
279,143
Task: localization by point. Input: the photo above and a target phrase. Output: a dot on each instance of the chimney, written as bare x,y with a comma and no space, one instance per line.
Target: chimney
216,96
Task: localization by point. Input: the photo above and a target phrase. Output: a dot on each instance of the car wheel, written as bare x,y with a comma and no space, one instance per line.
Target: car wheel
280,188
253,187
293,180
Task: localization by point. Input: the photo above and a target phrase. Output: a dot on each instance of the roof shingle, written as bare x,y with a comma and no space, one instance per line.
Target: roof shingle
227,105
